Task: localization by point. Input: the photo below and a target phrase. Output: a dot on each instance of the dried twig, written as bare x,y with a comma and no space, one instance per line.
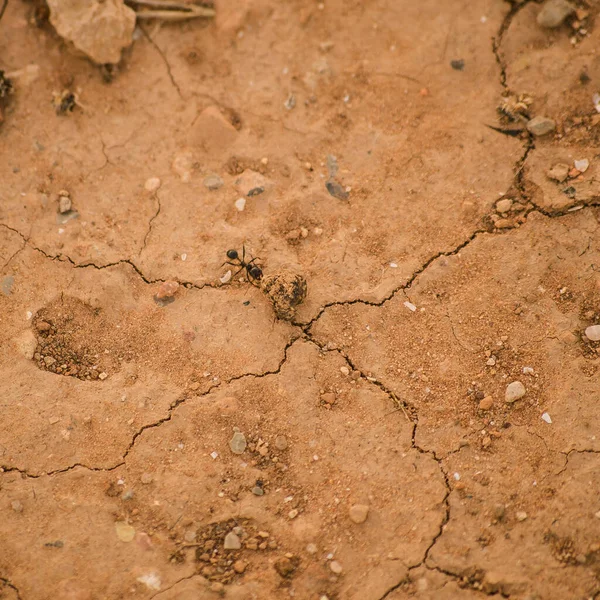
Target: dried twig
169,11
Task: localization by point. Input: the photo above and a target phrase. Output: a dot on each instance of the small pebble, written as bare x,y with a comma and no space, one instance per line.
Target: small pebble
527,371
410,306
167,289
514,391
152,184
328,398
217,587
214,455
281,442
293,513
258,491
558,172
125,532
240,204
53,420
239,566
290,103
147,478
190,536
232,542
504,205
546,417
521,516
213,182
64,204
457,65
238,443
127,495
554,12
593,333
582,165
486,403
539,126
335,567
225,277
336,190
344,370
16,506
312,548
102,376
358,513
499,511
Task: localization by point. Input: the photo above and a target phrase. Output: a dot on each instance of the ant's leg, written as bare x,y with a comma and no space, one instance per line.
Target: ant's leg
230,263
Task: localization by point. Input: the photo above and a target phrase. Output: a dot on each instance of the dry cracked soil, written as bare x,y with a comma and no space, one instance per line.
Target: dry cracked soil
197,446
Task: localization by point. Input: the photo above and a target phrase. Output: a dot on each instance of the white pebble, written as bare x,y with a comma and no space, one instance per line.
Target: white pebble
183,257
593,333
527,370
456,476
29,314
151,581
152,184
335,567
582,165
410,306
514,391
521,516
240,204
344,370
596,101
394,265
214,455
225,277
546,417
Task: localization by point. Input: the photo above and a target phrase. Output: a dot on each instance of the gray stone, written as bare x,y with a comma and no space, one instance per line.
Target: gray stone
593,333
514,391
238,443
213,182
554,12
539,126
6,285
232,542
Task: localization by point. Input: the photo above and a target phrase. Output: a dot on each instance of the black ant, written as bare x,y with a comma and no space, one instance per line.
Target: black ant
253,272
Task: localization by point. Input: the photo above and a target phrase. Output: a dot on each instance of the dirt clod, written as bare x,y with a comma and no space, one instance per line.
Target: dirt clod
286,291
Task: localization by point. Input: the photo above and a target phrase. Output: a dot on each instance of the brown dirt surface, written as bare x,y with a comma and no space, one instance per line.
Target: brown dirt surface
336,428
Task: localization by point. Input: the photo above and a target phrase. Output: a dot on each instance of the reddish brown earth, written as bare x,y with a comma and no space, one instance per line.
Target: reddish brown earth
386,389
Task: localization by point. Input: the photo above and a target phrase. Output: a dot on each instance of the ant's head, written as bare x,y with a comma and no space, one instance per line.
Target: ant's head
255,273
232,254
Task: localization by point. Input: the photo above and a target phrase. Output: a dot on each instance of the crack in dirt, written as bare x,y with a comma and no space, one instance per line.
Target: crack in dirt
164,58
174,405
152,219
499,37
574,451
8,583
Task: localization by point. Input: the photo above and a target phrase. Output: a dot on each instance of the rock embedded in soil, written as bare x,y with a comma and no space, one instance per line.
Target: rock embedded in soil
232,542
281,442
358,513
540,126
335,567
593,333
286,566
558,172
167,290
238,443
98,28
514,391
152,184
554,12
64,204
213,182
504,205
125,532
